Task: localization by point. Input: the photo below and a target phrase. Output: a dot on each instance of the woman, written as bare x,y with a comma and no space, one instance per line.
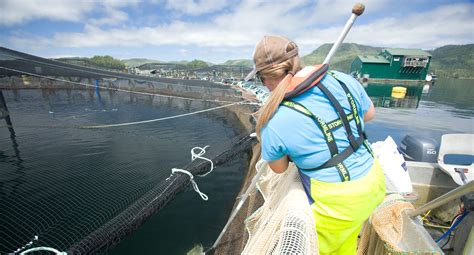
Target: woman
319,128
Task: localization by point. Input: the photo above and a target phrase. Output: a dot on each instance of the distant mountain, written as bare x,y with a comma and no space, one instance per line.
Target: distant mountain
456,61
181,62
132,62
239,62
346,53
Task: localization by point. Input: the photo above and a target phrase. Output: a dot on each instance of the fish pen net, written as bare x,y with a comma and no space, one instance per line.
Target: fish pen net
130,219
107,197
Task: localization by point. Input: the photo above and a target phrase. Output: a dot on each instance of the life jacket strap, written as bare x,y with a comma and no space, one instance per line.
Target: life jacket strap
340,111
334,161
337,123
322,125
355,112
328,136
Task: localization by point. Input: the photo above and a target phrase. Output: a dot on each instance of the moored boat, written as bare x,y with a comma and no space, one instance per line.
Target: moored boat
390,230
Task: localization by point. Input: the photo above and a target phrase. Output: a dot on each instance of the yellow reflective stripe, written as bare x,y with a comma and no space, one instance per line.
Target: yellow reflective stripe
367,145
343,172
354,108
337,123
298,107
351,101
324,127
326,131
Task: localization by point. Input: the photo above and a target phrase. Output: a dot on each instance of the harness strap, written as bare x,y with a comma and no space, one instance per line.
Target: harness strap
334,161
328,136
335,124
341,113
356,116
352,103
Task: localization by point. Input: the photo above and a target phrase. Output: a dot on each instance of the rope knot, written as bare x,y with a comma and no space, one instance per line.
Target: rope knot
195,156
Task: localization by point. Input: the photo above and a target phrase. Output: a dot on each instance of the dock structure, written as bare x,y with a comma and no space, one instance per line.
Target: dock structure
181,71
402,65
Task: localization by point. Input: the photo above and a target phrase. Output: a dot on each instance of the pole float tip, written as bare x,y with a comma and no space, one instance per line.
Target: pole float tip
358,9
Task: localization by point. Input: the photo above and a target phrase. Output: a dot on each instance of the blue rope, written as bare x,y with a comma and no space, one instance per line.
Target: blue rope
458,220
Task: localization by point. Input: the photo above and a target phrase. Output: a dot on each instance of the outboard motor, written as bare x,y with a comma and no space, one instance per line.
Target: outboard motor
419,149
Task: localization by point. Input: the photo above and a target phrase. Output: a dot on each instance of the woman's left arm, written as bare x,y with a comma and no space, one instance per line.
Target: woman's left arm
369,115
280,165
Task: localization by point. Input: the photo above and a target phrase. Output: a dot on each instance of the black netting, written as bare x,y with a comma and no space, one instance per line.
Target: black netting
130,219
83,215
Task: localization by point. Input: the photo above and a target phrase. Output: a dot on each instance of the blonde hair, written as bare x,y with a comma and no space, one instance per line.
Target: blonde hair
287,69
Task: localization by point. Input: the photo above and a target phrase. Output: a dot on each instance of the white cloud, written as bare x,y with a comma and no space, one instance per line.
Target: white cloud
242,27
196,7
118,3
13,12
449,24
329,11
112,17
19,11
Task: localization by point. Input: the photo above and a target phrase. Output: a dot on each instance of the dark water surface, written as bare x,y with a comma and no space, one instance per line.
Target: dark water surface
53,166
60,182
447,108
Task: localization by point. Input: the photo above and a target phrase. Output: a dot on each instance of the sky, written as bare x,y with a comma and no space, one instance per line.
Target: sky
219,30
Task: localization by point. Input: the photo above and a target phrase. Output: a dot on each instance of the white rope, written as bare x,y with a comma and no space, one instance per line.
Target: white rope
35,238
115,89
194,156
44,249
199,155
195,186
160,119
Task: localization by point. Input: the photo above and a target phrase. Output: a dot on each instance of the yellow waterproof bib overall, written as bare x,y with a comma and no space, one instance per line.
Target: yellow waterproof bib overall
340,209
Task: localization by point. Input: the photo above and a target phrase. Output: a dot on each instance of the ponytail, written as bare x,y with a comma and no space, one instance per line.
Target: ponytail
287,68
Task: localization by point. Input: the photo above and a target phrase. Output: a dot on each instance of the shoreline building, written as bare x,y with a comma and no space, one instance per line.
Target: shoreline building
393,64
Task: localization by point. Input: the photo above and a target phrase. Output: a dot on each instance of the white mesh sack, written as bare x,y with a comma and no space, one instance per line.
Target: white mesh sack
284,224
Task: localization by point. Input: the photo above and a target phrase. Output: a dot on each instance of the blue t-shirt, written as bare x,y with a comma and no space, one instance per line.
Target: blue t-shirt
298,136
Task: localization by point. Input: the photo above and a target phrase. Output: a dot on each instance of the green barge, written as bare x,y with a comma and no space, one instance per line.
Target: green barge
394,78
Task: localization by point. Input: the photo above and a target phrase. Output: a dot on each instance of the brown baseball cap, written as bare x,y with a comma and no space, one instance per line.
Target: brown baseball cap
271,50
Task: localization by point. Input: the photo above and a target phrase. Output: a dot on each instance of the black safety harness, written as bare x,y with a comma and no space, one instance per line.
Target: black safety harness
337,159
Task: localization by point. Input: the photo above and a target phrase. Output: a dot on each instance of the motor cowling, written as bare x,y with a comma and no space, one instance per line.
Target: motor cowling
417,148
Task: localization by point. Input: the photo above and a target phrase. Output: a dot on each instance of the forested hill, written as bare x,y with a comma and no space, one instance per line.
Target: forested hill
132,62
346,53
455,61
239,62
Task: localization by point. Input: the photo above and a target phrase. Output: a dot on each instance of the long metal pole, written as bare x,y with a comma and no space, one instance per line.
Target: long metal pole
357,10
453,194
